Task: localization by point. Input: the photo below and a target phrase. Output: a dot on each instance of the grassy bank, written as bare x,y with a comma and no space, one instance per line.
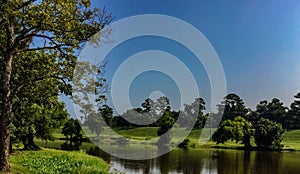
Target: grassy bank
56,161
291,139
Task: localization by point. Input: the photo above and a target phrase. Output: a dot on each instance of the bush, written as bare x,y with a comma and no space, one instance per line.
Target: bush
184,143
268,134
238,129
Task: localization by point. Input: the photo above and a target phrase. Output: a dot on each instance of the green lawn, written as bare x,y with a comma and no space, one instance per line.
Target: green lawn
56,161
137,133
291,139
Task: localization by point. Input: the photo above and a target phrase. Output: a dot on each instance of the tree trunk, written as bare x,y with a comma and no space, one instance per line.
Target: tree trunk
4,147
5,132
31,144
5,116
6,97
246,141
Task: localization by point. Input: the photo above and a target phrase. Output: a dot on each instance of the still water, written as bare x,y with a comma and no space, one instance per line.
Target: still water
214,161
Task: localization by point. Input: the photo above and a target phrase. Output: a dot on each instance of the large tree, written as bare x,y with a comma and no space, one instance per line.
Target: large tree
268,134
166,122
233,106
72,130
95,123
48,32
195,109
274,110
36,112
238,129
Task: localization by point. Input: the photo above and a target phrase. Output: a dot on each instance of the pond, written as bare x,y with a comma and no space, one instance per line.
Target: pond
213,161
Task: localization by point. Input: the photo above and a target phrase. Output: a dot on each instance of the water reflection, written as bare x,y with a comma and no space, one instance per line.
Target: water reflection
213,161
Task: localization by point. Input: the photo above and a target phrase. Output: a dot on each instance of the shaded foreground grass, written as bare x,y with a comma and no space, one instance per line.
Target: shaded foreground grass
56,161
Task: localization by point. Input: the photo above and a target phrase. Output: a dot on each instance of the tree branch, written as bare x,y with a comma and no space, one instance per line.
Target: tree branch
19,88
51,39
41,48
24,33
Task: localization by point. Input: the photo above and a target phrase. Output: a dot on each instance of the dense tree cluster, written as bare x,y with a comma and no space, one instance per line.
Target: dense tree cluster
154,111
72,130
239,123
268,134
268,121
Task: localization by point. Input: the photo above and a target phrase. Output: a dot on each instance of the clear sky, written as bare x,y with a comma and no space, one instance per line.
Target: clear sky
258,43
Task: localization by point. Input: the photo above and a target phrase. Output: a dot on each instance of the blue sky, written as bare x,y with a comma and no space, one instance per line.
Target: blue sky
258,43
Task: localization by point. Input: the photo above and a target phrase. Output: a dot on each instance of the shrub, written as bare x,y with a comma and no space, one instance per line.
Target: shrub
268,134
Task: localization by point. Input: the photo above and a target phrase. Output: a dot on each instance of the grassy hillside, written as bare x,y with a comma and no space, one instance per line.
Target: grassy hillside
291,140
137,133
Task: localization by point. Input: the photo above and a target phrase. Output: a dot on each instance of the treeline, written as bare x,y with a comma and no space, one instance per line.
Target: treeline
153,112
266,123
231,107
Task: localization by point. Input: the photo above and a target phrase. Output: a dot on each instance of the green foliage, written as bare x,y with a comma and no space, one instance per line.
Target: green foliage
73,130
56,161
192,111
166,122
95,123
238,129
232,106
107,114
86,85
292,120
268,134
33,120
274,110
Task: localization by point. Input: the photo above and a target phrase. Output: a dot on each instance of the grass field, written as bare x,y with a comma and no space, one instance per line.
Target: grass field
291,139
138,133
56,161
